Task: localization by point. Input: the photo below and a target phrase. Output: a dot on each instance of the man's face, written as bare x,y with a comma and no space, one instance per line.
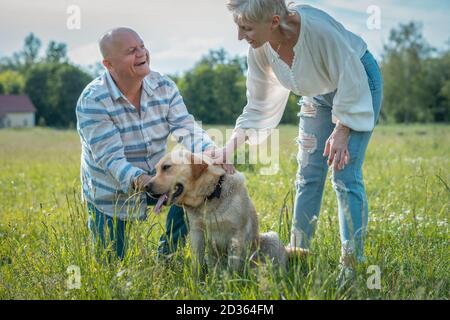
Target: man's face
128,57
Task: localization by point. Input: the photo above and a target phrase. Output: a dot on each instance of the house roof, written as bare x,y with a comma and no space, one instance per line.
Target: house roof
15,103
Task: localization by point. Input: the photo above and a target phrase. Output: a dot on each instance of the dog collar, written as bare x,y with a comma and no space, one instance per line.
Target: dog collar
217,190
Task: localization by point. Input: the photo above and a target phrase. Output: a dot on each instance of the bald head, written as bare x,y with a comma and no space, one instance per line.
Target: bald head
112,40
125,55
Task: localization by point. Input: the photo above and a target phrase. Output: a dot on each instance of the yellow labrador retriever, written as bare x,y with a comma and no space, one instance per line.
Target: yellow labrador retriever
222,218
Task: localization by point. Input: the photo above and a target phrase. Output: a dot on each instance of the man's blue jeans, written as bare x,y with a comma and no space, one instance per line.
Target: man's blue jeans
111,232
315,128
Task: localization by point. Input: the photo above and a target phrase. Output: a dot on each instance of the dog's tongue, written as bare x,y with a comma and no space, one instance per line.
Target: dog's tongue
157,208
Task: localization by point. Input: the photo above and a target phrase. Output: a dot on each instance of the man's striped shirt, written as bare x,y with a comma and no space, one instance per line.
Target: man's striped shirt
118,144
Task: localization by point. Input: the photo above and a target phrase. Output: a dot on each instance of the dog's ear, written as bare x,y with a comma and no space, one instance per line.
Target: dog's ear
197,168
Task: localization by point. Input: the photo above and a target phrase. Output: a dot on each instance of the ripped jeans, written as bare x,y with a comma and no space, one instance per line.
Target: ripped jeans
315,128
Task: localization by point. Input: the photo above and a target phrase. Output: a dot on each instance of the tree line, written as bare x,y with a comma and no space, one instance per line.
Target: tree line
416,82
52,82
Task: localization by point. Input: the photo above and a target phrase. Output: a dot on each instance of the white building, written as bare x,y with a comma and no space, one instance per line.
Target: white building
16,111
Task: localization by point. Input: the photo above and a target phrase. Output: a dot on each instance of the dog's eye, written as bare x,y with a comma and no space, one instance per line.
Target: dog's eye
166,167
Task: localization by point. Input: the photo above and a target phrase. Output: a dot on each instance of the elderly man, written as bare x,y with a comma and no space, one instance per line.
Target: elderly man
124,119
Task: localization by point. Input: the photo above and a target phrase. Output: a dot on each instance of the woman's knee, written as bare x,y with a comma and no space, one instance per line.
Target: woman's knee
313,177
307,147
347,179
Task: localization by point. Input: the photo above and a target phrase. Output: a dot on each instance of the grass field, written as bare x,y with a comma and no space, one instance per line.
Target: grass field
43,227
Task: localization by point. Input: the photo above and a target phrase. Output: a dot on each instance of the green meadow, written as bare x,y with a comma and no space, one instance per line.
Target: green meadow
43,227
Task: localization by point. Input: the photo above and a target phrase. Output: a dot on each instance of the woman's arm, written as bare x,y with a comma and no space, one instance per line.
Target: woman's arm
266,102
336,147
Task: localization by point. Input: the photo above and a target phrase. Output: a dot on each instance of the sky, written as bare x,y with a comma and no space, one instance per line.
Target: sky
179,32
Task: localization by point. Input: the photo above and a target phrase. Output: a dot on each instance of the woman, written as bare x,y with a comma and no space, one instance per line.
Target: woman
304,50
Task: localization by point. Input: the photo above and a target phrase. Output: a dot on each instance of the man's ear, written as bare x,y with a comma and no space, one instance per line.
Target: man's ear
107,64
197,168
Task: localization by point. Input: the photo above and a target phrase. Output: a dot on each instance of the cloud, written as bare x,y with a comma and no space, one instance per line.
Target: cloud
187,48
182,53
86,54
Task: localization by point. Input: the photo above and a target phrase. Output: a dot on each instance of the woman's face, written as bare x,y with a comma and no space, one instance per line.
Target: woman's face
255,33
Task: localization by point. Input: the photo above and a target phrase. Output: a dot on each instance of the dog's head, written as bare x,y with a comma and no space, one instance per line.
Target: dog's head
182,178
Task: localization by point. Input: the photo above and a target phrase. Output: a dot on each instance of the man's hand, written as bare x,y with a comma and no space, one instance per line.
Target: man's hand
141,182
336,147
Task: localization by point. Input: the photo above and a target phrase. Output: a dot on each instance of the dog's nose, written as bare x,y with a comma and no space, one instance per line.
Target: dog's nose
148,187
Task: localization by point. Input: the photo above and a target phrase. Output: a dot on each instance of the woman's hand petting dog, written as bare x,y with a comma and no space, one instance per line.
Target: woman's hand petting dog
219,156
336,147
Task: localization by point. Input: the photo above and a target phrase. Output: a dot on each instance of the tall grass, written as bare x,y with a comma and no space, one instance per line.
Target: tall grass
43,227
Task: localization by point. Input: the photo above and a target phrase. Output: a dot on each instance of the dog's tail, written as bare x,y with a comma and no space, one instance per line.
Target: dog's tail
270,246
296,252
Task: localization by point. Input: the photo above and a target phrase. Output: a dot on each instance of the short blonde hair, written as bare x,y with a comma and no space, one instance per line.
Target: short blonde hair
259,10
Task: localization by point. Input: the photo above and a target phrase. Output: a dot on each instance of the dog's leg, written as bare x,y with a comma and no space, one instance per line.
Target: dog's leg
213,256
198,250
236,253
